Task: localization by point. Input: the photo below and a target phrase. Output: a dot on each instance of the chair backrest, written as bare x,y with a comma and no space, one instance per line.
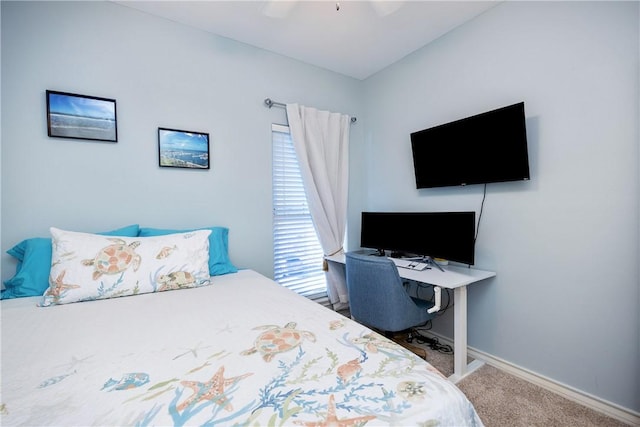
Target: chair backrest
376,295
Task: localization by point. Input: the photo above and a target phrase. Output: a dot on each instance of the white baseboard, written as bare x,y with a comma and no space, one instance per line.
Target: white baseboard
605,407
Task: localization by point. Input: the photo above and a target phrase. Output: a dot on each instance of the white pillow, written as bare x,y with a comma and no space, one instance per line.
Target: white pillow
86,266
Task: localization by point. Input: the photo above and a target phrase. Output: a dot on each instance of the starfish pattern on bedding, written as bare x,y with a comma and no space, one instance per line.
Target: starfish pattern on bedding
57,286
74,362
332,419
193,351
212,390
227,329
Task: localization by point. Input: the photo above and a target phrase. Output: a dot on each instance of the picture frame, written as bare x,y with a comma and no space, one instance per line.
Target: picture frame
183,149
75,116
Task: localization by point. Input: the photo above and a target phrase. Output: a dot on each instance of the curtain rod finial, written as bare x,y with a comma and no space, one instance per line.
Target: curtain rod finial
268,102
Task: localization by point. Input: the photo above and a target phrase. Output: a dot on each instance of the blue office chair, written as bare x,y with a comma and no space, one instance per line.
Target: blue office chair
377,297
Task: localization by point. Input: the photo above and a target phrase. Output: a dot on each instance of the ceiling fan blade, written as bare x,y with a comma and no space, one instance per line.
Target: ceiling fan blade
278,8
386,7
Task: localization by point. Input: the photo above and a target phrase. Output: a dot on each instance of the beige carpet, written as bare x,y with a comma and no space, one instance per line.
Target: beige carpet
503,400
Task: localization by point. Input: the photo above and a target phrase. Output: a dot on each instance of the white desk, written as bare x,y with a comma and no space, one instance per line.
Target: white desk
456,278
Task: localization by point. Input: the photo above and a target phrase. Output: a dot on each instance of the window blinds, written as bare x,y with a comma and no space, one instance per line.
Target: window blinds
297,253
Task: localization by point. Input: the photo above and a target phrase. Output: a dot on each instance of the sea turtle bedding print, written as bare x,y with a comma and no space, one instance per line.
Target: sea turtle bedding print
241,351
90,266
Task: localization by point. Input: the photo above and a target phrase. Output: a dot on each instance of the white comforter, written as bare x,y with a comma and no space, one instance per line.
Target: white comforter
242,351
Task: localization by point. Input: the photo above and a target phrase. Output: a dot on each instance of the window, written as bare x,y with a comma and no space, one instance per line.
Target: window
297,254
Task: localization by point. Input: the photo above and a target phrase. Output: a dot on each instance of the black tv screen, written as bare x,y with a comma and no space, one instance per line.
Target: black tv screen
447,235
485,148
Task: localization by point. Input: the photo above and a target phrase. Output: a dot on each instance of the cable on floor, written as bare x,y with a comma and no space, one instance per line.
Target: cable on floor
433,343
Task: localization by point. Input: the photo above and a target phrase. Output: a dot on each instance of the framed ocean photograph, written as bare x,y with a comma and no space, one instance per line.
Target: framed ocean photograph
70,115
183,149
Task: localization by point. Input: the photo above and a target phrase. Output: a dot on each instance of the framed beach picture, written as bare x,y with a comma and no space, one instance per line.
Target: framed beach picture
70,115
183,149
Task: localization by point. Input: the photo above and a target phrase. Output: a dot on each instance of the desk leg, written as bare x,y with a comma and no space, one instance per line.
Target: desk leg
460,368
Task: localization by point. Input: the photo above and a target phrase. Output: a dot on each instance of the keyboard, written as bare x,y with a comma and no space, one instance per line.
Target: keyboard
409,264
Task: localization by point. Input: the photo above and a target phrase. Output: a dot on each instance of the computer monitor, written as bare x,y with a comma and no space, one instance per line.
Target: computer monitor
447,235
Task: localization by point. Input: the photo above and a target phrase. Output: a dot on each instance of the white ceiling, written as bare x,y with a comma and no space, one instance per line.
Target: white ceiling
359,39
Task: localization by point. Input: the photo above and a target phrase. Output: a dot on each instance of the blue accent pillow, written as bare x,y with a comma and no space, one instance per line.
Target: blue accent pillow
34,263
219,262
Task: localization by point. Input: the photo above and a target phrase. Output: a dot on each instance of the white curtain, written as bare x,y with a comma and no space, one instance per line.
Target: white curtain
321,141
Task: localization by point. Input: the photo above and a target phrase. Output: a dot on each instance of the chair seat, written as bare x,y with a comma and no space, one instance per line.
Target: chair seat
377,297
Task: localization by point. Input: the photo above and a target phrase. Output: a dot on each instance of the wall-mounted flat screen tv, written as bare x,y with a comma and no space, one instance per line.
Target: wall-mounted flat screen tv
485,148
447,235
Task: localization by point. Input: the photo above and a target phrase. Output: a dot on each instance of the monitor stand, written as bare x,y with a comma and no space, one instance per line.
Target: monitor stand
430,261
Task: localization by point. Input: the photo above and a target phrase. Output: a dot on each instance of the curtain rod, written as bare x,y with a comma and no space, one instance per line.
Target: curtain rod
269,103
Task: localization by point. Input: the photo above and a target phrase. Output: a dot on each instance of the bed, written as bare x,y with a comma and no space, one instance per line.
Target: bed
234,349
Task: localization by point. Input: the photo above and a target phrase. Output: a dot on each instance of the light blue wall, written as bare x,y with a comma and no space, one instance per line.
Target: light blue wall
564,303
162,75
